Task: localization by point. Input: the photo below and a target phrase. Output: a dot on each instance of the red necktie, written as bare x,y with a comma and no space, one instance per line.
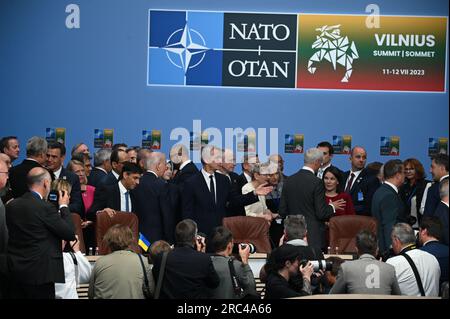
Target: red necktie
349,184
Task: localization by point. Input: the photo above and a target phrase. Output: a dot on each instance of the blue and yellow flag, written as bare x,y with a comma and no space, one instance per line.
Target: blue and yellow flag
143,242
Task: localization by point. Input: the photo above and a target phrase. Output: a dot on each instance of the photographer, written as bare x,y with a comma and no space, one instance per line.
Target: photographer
77,269
282,266
236,278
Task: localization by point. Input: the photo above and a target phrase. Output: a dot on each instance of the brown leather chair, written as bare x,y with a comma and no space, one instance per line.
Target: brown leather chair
104,222
343,230
76,219
247,229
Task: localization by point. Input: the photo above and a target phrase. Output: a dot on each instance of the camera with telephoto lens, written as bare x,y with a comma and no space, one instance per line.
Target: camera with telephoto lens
243,246
318,265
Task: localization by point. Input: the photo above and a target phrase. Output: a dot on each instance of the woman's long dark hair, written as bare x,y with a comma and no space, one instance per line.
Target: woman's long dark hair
279,256
337,174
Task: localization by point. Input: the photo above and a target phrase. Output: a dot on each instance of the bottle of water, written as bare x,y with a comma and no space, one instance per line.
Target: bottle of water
96,251
90,251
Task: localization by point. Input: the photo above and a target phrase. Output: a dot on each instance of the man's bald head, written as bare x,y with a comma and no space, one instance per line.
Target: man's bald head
37,177
6,159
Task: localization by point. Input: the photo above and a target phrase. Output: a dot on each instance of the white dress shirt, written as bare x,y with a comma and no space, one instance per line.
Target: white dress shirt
258,208
428,268
207,181
57,173
123,205
73,277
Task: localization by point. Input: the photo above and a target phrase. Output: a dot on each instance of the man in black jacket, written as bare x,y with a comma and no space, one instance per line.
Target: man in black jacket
304,193
102,166
179,155
189,272
36,228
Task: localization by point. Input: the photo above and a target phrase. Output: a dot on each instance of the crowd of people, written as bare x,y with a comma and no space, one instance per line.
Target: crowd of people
180,209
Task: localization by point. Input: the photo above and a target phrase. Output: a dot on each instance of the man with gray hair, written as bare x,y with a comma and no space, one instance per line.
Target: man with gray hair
36,228
156,218
36,157
179,155
102,166
417,271
442,209
304,193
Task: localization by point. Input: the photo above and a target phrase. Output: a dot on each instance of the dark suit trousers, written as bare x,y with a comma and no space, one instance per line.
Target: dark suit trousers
24,291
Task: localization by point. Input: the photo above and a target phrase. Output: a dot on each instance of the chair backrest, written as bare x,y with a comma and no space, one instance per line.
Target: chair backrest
343,230
76,219
247,229
104,222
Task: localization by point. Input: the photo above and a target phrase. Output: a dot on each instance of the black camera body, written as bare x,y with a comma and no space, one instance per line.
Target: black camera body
243,246
318,265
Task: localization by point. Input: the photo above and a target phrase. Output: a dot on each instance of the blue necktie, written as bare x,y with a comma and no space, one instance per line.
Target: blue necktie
127,201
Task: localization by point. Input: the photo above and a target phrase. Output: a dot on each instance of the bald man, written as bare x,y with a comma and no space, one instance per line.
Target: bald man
36,228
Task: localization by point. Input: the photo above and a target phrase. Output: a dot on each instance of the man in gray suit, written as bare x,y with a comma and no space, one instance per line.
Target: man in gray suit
387,206
304,194
366,275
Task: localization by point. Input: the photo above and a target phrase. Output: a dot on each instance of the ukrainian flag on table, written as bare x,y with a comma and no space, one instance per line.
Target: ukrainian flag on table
143,242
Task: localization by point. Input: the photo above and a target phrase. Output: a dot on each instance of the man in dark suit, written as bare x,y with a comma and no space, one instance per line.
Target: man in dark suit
387,206
247,167
36,157
207,196
118,159
304,194
189,272
157,218
439,171
328,151
430,233
3,229
227,169
102,166
9,145
179,155
117,197
441,211
36,229
56,154
359,182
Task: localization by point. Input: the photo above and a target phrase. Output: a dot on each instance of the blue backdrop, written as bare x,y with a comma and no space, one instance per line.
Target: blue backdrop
95,77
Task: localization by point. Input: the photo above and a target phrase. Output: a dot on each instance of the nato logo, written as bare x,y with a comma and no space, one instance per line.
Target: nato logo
185,48
385,141
50,133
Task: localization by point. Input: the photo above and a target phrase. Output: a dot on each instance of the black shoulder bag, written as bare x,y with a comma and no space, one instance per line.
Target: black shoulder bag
145,286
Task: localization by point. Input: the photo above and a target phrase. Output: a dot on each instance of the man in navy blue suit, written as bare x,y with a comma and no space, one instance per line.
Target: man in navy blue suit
56,154
359,183
179,155
442,210
102,166
430,232
208,195
155,212
439,171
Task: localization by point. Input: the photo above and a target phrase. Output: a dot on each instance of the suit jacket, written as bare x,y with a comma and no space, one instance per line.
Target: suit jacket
184,174
442,213
96,177
35,233
304,193
237,188
388,209
353,278
108,197
76,201
440,251
433,200
367,184
154,210
108,179
3,241
18,177
189,274
198,205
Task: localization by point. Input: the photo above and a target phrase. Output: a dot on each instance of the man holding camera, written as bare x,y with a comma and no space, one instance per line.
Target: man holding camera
36,229
366,275
236,277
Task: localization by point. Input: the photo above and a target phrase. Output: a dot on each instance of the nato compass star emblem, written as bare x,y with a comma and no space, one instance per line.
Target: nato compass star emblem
189,51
